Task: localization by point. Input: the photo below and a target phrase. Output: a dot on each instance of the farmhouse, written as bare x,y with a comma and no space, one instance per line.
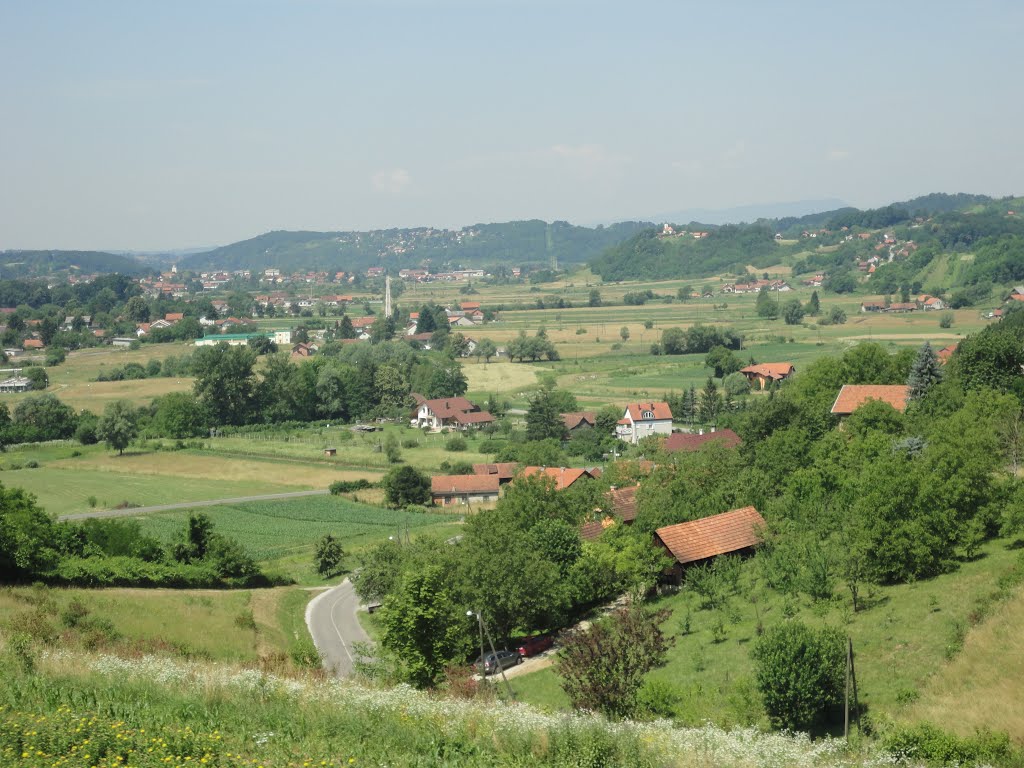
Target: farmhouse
563,477
872,306
767,373
853,396
1016,294
643,420
448,412
697,541
902,306
446,490
930,303
32,344
687,442
503,470
579,421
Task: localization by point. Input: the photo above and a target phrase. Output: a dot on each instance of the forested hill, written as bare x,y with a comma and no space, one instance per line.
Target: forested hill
15,264
822,240
511,243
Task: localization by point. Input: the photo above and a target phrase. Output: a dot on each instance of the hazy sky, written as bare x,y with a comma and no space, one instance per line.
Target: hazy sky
144,124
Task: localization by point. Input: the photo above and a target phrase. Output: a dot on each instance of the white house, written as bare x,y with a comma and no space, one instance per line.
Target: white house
643,420
448,412
282,338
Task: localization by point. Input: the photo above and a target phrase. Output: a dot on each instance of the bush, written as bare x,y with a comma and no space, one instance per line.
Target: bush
736,384
934,746
304,654
456,444
410,443
946,321
491,446
801,673
349,486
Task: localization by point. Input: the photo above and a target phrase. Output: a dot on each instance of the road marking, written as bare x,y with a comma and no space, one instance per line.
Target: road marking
338,631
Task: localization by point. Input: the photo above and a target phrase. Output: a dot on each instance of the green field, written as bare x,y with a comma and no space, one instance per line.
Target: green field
903,643
281,534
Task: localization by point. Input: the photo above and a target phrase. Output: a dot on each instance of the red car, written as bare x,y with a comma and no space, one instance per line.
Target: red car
531,646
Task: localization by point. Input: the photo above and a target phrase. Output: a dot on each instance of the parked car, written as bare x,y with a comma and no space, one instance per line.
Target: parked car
503,659
531,646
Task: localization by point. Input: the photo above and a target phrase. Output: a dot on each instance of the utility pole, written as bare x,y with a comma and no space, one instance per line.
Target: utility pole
490,641
387,295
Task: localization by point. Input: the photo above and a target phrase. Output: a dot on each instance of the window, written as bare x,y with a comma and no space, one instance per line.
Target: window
648,415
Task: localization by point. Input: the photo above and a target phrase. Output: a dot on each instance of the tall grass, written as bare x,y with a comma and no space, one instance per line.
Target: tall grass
112,708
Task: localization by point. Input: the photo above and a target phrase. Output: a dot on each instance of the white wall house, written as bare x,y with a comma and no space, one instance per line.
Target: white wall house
643,420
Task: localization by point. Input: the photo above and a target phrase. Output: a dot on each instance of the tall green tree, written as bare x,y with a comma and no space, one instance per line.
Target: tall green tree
425,627
543,419
118,425
925,372
814,305
225,382
406,485
766,306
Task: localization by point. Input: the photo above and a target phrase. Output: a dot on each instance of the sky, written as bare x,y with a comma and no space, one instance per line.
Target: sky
153,125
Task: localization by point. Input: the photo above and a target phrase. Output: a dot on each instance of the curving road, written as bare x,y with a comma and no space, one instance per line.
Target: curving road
332,621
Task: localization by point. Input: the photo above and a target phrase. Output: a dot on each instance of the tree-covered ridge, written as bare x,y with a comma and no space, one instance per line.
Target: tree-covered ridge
35,263
508,243
651,256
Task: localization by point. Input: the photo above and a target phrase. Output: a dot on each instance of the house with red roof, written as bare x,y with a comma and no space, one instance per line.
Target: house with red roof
687,442
853,396
643,420
764,374
946,353
446,490
578,421
563,477
503,470
448,413
698,541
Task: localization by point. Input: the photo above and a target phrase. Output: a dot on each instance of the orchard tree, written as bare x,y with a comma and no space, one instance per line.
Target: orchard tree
118,425
602,668
624,333
800,672
766,306
793,312
485,349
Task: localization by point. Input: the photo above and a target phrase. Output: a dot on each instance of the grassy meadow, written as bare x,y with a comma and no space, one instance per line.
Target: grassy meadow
907,643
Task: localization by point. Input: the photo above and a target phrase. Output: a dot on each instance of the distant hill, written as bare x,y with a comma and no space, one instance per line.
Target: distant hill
751,213
511,243
990,229
15,264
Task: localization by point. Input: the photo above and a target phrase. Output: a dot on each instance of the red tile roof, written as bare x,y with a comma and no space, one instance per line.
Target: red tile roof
455,484
447,407
623,502
473,417
573,420
853,396
711,536
173,317
505,470
32,344
660,410
681,441
946,352
770,370
593,529
564,477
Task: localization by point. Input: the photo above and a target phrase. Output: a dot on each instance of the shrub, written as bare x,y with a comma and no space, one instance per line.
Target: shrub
491,446
304,654
934,746
800,672
410,443
456,443
946,321
348,486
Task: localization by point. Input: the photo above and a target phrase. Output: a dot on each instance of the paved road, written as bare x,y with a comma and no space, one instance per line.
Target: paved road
132,511
332,621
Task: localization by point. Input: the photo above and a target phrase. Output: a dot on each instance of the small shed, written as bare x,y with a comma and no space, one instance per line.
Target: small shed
698,541
330,451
